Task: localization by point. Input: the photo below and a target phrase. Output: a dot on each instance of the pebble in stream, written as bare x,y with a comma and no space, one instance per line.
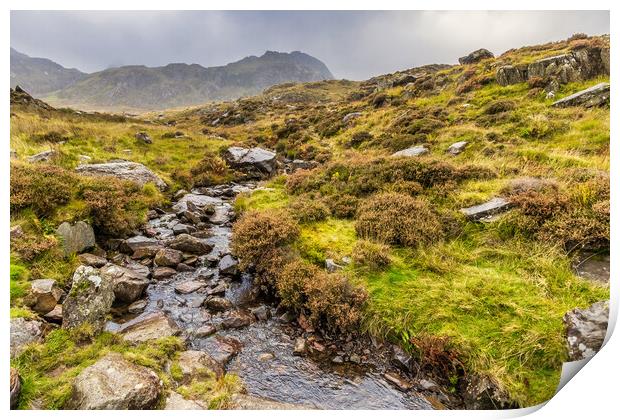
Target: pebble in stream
261,354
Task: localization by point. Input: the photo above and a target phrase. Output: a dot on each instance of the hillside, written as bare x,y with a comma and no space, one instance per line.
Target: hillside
174,85
437,228
40,76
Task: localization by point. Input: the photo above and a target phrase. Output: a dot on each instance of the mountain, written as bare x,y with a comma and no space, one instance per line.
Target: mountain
174,85
40,76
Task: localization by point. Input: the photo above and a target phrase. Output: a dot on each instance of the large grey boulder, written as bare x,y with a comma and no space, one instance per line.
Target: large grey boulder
113,383
43,296
196,364
76,238
413,151
457,148
128,284
123,169
486,211
476,56
188,243
254,162
511,75
89,299
586,329
148,327
593,96
24,332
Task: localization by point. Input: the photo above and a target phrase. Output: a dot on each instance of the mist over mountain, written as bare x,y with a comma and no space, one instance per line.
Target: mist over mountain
173,85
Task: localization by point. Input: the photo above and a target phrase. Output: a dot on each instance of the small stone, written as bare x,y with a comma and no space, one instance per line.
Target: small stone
181,228
191,244
188,286
160,273
55,315
237,319
137,307
143,137
331,266
338,360
184,268
228,265
300,347
262,313
413,151
318,346
219,304
92,260
263,357
43,296
428,385
397,380
457,148
486,211
400,359
354,358
205,331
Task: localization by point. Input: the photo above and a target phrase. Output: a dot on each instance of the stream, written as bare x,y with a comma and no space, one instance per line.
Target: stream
252,341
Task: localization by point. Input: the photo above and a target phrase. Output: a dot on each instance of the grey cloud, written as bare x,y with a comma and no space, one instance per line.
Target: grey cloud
353,44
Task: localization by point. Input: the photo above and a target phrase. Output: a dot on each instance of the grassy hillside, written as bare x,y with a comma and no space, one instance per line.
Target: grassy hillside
483,298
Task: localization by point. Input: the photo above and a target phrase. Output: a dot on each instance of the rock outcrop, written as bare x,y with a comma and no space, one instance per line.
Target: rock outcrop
597,95
76,238
113,383
586,329
476,56
256,163
128,285
122,169
89,299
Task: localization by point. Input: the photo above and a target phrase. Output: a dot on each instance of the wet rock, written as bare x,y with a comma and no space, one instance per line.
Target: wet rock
191,244
351,116
138,268
222,349
15,388
486,211
250,402
597,95
89,299
160,273
123,169
205,331
76,238
184,268
168,257
219,289
113,383
481,393
411,152
263,357
300,346
143,137
137,307
92,260
476,56
24,332
43,296
586,329
148,327
219,304
228,265
195,364
55,315
180,228
43,156
395,379
428,385
457,148
331,266
128,284
401,359
148,251
262,313
188,286
236,319
255,162
175,401
139,242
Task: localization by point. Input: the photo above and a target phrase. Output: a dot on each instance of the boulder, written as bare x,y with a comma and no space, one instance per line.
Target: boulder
411,152
167,257
228,265
122,169
176,401
586,329
128,284
43,296
190,244
143,137
195,364
89,299
511,75
92,260
148,327
476,56
24,332
457,148
221,349
139,242
76,238
182,228
236,319
160,273
188,286
16,388
597,95
216,303
255,162
113,383
486,211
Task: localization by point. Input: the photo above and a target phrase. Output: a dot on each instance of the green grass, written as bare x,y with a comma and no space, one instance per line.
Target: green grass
270,196
331,238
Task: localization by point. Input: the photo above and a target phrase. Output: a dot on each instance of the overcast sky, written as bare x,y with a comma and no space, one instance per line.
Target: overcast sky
354,45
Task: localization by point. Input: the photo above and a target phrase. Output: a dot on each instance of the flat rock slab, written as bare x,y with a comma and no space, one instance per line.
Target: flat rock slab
586,329
188,286
411,152
596,95
485,211
148,327
122,169
113,383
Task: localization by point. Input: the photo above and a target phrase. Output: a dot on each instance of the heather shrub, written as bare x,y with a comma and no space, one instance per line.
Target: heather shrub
498,106
397,219
40,187
308,209
211,170
371,255
29,246
342,206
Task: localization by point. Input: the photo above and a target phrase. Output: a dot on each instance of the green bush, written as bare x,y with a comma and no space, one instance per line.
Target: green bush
397,219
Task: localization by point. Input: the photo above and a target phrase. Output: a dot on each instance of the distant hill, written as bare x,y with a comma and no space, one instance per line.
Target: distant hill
40,76
178,84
